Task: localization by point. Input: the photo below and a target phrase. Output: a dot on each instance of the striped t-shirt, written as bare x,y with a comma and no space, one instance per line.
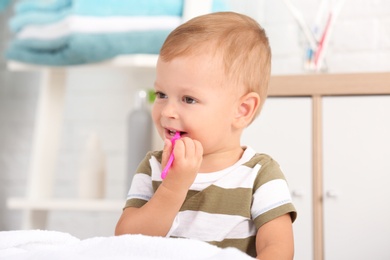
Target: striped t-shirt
224,208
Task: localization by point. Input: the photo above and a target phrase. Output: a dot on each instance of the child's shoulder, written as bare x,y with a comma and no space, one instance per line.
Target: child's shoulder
266,168
155,154
260,159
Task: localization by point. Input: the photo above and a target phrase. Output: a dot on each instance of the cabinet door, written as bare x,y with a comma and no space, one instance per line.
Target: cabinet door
283,130
357,177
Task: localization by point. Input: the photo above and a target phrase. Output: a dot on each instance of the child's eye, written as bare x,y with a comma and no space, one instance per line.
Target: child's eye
189,100
160,95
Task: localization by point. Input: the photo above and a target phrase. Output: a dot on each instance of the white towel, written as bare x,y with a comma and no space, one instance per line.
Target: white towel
26,242
64,247
93,24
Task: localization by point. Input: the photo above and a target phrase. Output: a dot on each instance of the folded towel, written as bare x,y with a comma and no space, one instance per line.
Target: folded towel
29,12
18,21
4,4
42,15
42,5
128,7
136,7
78,49
63,32
31,240
120,247
93,24
80,39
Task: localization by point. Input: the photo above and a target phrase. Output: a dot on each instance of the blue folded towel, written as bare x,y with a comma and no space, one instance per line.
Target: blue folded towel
33,12
42,5
220,6
4,4
79,49
109,7
17,22
55,10
128,7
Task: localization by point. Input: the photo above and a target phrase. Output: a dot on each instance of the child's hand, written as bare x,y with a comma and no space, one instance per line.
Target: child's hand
188,157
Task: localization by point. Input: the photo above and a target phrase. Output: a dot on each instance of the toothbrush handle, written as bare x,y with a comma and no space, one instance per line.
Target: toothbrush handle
171,157
169,164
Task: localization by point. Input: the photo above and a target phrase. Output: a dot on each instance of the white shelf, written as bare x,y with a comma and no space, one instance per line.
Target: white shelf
66,204
134,60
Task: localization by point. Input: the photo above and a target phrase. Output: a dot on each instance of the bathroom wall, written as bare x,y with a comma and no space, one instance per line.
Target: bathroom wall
98,100
359,42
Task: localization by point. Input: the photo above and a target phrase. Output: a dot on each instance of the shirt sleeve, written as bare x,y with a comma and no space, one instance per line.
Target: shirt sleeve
271,196
141,189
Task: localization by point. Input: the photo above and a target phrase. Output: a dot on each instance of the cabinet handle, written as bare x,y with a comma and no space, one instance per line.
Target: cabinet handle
332,194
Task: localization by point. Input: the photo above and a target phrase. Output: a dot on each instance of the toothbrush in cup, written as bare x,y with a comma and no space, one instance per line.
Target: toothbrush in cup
171,157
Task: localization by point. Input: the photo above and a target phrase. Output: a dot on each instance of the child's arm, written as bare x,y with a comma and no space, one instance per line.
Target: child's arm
275,240
156,216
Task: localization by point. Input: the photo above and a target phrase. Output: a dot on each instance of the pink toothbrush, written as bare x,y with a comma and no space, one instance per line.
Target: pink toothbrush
171,157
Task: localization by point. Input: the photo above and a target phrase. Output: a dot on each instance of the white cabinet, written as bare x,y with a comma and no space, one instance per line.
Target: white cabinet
356,177
283,131
350,171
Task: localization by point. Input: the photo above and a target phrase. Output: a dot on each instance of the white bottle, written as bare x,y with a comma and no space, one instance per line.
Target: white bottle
139,135
93,170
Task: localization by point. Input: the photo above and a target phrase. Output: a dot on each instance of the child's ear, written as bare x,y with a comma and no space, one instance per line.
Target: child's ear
246,109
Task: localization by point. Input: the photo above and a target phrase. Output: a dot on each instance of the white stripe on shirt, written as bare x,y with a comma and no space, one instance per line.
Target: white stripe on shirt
139,191
270,195
211,227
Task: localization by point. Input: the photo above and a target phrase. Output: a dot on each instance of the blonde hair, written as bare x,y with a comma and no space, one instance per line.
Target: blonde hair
240,40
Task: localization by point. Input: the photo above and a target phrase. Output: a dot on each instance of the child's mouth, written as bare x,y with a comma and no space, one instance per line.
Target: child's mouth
173,132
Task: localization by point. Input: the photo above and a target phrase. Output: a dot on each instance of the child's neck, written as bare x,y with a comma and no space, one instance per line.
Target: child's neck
220,160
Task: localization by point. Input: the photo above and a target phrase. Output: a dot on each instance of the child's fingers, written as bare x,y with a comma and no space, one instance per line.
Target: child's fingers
188,157
198,149
183,146
166,152
197,153
188,149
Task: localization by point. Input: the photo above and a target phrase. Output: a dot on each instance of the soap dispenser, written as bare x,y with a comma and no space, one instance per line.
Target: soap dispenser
139,134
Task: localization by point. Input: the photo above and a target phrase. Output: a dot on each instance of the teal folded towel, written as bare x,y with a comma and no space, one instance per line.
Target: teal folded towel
17,22
79,49
4,4
109,7
28,13
41,5
33,12
128,7
82,48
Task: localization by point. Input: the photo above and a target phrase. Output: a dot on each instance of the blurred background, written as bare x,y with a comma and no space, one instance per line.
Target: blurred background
99,100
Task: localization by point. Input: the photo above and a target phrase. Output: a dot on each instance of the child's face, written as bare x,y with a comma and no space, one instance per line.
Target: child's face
192,98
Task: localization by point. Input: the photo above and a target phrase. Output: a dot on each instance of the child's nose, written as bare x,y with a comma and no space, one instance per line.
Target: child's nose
169,110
